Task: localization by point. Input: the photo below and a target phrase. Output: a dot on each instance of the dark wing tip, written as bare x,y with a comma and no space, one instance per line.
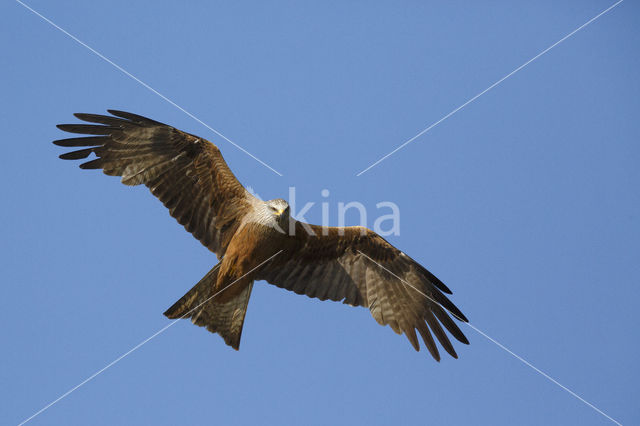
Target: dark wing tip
88,129
101,119
171,312
461,316
64,127
82,141
120,113
428,340
76,155
457,314
443,287
64,142
133,117
93,164
413,339
177,310
443,301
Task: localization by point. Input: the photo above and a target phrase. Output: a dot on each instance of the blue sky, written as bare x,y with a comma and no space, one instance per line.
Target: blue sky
525,203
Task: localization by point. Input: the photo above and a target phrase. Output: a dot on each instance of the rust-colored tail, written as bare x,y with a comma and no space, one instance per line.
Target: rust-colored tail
201,306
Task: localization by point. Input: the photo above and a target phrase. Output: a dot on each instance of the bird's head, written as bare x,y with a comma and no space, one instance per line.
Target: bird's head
279,208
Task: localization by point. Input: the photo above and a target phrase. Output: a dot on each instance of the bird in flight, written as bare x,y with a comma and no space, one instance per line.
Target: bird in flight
257,240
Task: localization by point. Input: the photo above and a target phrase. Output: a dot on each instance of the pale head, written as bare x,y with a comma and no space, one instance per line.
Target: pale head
278,207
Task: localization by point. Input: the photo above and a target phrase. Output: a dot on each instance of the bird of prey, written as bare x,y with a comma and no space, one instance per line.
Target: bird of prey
258,240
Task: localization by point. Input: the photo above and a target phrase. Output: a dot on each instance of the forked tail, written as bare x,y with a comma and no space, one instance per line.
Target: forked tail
201,306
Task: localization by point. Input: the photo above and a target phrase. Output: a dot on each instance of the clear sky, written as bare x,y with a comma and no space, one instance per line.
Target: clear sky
525,203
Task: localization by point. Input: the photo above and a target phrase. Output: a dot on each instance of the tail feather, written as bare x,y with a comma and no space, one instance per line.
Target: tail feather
201,306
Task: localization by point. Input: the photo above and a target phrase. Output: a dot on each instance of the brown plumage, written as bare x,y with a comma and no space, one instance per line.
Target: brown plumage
258,240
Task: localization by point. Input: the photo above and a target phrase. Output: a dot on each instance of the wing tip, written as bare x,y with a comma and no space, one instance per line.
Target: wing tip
93,164
460,316
75,155
134,118
443,288
171,313
117,112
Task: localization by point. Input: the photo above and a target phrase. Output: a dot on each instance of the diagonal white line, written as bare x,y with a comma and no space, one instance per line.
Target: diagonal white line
422,132
128,74
545,375
136,347
500,345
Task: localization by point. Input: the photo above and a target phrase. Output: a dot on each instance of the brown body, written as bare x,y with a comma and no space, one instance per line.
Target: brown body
249,247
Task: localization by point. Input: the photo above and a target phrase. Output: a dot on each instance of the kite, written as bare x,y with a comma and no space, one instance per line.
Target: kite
257,240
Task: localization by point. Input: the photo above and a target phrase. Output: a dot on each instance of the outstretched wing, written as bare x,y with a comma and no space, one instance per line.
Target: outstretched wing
359,267
187,173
